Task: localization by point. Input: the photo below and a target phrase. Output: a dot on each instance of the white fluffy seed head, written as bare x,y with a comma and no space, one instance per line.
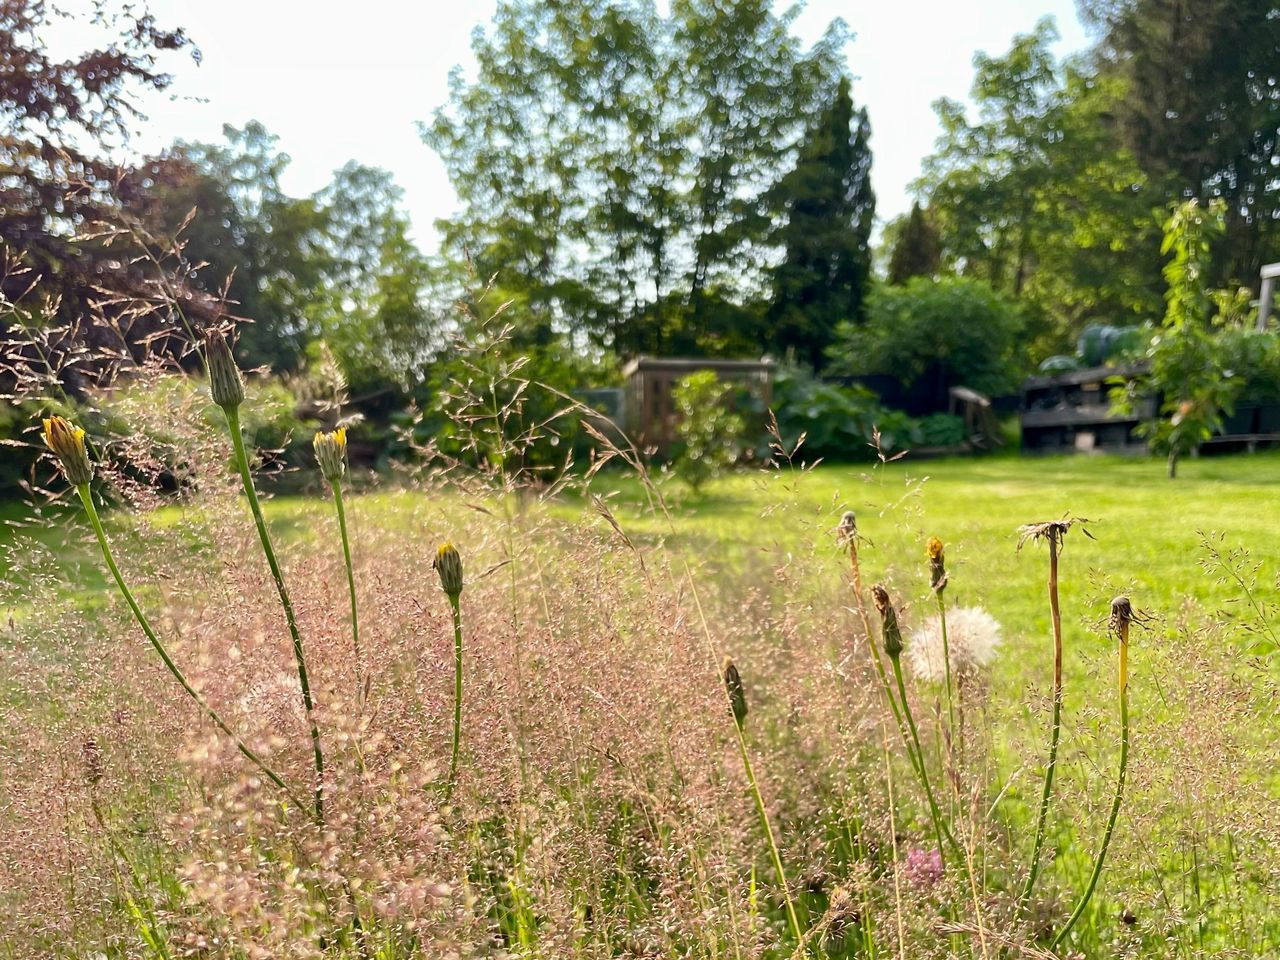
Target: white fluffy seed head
972,638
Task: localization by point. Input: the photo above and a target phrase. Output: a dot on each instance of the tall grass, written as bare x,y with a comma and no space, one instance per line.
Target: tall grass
613,800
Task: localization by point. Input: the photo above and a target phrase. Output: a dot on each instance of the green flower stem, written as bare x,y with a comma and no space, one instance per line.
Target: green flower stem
91,511
946,657
792,920
875,657
351,585
246,478
939,825
1055,733
1115,802
456,605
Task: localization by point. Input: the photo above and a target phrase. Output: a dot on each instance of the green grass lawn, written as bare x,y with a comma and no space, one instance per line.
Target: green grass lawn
1147,541
1147,530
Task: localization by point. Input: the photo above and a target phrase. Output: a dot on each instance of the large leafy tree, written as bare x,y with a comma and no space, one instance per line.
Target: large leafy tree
337,266
829,208
615,162
1201,108
1034,196
64,287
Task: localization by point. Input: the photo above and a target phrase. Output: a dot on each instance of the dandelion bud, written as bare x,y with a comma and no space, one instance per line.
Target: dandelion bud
67,443
225,385
889,630
331,452
449,565
737,694
937,565
92,762
847,530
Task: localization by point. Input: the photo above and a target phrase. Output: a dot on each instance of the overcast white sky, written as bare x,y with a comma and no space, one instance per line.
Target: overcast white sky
338,80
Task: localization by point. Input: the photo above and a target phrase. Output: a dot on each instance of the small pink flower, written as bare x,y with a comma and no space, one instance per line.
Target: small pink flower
923,867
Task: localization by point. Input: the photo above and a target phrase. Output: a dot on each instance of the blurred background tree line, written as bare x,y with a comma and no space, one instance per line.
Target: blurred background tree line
687,181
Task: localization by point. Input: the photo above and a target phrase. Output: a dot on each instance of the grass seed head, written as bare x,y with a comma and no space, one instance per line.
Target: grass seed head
449,565
331,453
889,628
737,693
67,443
225,383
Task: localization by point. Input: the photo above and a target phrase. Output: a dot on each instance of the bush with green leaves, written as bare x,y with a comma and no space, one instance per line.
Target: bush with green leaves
836,421
709,430
506,396
1203,355
950,332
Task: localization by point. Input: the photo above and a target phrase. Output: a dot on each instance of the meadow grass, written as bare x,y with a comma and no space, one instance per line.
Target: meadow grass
764,544
1145,532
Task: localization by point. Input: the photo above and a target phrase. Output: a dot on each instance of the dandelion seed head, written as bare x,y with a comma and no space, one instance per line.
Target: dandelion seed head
972,637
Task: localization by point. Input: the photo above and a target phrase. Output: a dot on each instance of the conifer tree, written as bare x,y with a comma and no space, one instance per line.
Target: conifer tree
829,208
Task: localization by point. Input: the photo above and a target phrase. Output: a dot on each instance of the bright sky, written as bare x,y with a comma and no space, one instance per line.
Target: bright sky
339,80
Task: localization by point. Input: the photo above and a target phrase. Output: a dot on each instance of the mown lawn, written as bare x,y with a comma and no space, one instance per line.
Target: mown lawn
1146,532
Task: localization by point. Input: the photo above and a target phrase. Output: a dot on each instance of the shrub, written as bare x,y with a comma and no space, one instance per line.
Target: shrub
837,421
709,431
942,430
948,332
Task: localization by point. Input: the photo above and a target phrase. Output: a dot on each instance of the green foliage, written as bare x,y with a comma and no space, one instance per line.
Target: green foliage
503,399
942,430
917,248
836,422
709,431
1189,368
615,162
829,207
1035,197
948,332
1199,109
336,266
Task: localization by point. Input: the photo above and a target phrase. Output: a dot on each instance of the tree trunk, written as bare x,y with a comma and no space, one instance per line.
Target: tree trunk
1173,464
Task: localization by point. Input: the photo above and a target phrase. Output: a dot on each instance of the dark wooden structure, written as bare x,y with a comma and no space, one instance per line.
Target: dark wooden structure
982,429
651,417
1251,425
1071,412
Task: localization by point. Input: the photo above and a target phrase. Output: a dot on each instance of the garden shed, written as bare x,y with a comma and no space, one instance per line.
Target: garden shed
651,418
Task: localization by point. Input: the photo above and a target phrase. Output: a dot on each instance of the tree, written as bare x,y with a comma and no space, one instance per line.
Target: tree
337,266
1036,197
917,250
1190,370
830,208
1201,108
59,119
936,334
614,163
